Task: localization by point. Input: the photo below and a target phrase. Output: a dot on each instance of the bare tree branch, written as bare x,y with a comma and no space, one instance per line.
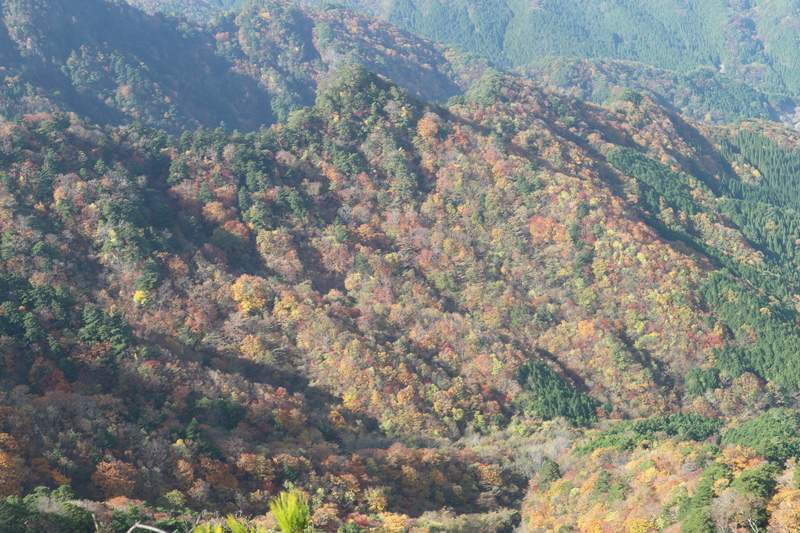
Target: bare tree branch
137,525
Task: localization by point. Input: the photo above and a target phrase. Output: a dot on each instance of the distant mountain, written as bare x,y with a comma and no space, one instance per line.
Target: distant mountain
116,64
113,63
747,46
751,42
198,10
702,94
720,72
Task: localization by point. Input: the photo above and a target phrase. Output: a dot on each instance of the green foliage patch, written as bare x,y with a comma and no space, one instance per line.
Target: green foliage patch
547,395
773,434
626,435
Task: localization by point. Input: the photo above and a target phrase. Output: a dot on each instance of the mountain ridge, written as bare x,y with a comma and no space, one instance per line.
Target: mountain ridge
513,309
402,259
93,60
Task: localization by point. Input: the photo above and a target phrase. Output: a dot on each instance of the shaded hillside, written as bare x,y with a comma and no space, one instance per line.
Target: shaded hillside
200,10
711,60
116,64
702,94
751,42
113,63
290,49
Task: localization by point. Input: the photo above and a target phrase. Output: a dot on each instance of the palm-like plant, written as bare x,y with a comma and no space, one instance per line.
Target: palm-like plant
208,528
291,511
238,526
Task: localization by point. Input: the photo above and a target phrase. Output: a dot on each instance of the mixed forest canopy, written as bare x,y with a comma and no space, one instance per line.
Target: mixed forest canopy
715,61
263,256
117,65
199,10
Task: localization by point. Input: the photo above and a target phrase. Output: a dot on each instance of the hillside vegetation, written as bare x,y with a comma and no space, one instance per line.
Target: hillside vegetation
116,64
198,322
199,10
240,265
715,62
753,42
702,94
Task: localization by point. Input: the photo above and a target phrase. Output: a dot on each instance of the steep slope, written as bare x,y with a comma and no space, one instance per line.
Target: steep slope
198,10
116,64
749,41
145,356
113,63
201,322
703,94
713,61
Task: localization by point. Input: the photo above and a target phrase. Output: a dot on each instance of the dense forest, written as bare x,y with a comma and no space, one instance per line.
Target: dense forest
578,60
394,306
116,65
298,256
751,41
197,10
703,94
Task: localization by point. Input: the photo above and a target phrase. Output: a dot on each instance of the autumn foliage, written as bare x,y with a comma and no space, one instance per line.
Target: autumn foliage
401,309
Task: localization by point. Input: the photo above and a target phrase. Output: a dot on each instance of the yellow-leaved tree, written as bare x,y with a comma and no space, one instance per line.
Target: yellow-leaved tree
233,524
251,293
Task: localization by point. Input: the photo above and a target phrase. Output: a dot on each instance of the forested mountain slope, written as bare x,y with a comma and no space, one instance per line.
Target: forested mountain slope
686,74
203,321
290,49
200,10
703,94
116,64
753,42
